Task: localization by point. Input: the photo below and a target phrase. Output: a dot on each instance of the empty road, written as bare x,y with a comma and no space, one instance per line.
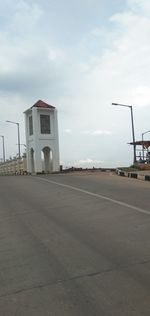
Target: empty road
74,245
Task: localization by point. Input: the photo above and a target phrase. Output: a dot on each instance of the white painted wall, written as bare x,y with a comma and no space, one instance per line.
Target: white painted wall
38,141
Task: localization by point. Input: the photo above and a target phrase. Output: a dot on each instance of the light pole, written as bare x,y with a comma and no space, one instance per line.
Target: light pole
143,140
132,122
3,147
18,135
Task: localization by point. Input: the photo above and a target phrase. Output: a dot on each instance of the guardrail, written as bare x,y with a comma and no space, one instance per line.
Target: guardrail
14,166
135,175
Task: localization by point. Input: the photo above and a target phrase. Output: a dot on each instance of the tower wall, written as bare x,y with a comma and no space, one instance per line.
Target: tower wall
42,136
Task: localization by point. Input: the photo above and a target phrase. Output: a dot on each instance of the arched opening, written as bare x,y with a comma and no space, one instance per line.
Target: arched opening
32,160
47,158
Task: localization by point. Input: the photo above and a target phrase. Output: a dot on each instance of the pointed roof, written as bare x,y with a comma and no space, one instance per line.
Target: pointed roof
42,104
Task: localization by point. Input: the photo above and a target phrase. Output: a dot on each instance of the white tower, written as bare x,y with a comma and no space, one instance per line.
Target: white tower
42,138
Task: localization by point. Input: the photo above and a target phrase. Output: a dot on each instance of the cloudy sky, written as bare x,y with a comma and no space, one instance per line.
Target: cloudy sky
79,56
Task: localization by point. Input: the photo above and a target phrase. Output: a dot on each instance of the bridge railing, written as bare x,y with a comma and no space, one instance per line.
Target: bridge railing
14,166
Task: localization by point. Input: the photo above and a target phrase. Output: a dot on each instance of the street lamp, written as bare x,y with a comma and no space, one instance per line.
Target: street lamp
3,147
132,122
18,136
143,140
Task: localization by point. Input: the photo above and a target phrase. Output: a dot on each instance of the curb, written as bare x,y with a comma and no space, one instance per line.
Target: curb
132,175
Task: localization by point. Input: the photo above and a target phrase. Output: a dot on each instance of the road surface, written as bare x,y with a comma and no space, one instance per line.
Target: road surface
74,245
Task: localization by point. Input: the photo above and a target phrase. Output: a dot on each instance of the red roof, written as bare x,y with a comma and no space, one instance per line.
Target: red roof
42,104
145,143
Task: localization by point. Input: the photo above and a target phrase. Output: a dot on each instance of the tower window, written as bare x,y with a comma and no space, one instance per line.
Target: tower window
30,125
45,124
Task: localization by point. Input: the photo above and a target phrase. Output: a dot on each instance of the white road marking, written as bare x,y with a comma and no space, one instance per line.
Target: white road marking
135,208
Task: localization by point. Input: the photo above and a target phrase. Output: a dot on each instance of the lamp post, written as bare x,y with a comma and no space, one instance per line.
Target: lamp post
3,147
143,140
132,123
18,136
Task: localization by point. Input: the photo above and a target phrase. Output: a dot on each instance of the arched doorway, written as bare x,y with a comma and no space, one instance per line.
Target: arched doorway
32,160
47,159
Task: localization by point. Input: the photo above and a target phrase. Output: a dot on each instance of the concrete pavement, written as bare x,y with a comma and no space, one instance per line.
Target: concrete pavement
74,245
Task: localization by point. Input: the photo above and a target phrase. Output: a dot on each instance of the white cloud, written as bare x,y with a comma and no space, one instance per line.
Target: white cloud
68,131
141,95
123,68
101,132
26,15
96,132
120,74
88,161
85,163
140,6
97,32
82,77
56,54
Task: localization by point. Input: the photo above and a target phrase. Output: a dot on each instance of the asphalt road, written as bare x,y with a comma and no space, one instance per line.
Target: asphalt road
74,245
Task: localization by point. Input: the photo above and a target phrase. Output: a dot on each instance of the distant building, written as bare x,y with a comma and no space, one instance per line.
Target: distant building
42,138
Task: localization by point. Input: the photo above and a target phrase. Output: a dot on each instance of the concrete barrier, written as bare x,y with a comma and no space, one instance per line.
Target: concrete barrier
17,166
133,175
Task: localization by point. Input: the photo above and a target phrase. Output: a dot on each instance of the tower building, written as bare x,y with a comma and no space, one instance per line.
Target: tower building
42,138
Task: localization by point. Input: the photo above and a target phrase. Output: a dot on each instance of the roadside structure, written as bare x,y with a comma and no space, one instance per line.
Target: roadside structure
142,153
41,127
